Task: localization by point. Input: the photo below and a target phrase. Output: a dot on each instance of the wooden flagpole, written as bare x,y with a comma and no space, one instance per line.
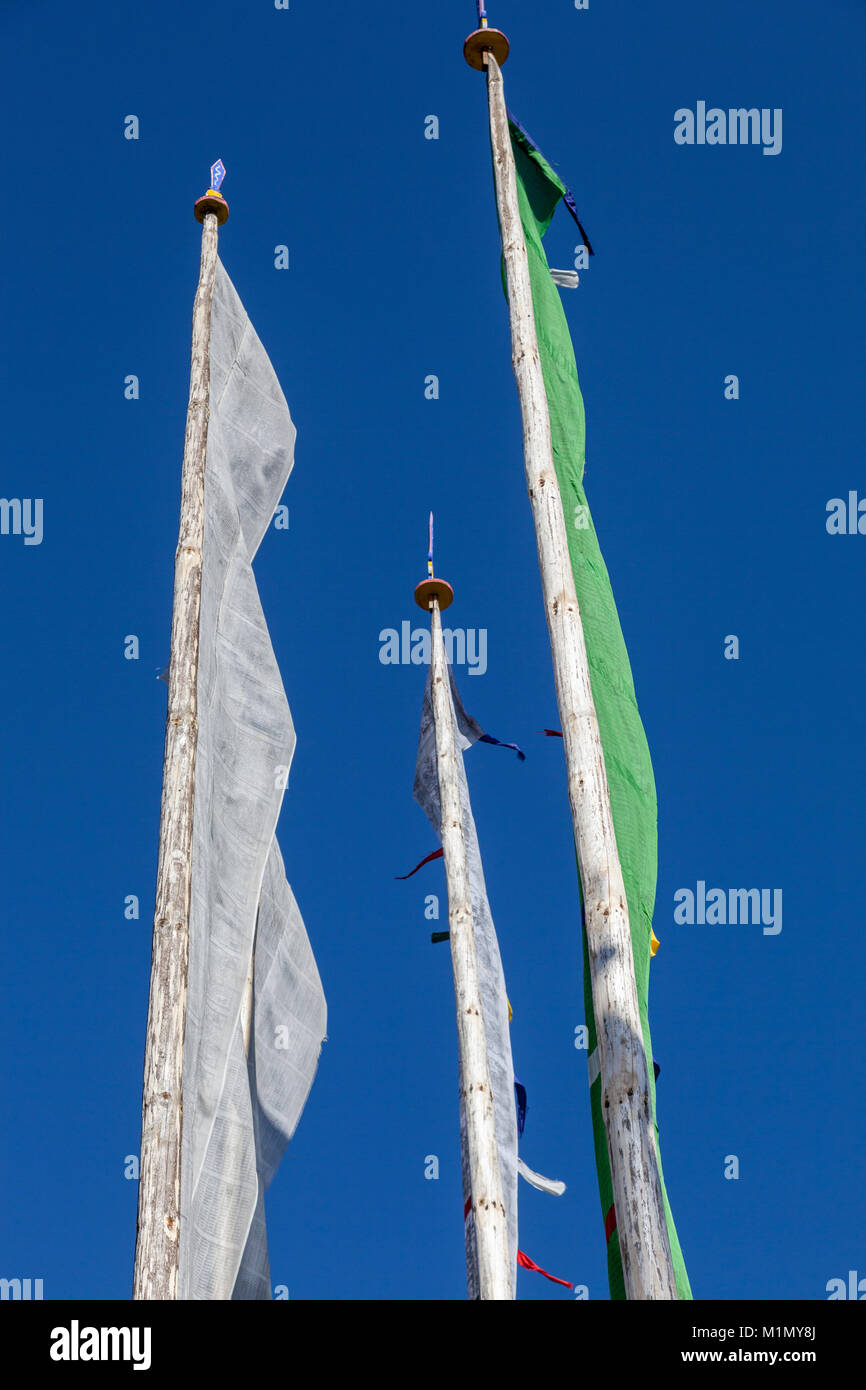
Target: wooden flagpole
496,1279
158,1232
640,1216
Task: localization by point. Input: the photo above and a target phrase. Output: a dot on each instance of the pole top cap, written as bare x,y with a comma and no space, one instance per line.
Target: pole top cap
212,202
485,41
436,588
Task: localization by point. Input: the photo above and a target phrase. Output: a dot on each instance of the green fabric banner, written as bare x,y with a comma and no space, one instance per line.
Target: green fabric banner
626,754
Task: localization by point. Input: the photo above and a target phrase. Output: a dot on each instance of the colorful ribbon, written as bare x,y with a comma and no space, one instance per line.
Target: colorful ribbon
527,1263
437,854
488,738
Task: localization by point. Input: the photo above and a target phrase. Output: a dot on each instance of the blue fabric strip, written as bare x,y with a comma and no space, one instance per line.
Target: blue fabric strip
568,197
520,1096
488,738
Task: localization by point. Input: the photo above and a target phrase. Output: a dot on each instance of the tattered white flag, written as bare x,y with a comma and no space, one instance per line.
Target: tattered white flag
494,1003
494,1000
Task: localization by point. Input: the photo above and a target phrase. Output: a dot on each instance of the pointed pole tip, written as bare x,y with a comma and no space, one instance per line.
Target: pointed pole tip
433,587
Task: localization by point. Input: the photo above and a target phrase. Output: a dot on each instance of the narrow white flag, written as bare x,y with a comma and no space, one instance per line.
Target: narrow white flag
494,1002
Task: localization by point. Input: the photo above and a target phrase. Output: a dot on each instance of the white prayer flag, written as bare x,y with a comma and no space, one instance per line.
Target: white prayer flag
494,1003
241,1110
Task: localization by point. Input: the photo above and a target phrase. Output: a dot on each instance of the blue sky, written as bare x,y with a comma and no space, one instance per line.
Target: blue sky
711,515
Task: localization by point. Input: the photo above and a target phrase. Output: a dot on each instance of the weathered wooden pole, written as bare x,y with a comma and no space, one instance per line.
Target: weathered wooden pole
495,1277
640,1217
158,1233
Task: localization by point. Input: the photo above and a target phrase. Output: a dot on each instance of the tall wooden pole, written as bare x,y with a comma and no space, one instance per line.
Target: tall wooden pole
158,1234
495,1277
640,1216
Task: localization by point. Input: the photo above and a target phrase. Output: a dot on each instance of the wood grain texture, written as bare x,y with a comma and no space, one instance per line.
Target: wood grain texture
496,1280
641,1225
158,1233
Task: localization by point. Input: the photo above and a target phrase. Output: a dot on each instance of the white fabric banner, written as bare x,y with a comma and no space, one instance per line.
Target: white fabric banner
552,1186
494,1003
240,1111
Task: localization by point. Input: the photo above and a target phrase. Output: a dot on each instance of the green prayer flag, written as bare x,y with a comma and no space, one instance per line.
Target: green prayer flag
626,754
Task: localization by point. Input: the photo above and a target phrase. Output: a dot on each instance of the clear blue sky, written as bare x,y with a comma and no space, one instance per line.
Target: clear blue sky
711,514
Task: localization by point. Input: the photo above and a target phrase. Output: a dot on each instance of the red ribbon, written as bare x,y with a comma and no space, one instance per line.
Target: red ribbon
527,1263
437,854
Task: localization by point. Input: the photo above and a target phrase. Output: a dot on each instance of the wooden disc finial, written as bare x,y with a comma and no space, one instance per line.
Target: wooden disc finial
437,588
212,202
485,41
